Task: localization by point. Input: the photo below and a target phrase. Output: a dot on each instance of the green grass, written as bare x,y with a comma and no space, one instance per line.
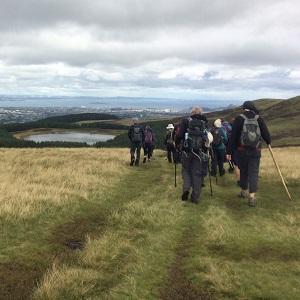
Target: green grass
140,241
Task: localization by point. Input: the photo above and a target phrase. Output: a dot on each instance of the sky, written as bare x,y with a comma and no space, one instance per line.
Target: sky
184,49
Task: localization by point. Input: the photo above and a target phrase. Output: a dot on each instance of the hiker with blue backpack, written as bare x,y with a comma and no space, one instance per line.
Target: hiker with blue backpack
149,143
218,148
136,137
195,140
248,132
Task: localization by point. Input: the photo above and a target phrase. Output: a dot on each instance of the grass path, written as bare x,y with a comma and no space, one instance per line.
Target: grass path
138,240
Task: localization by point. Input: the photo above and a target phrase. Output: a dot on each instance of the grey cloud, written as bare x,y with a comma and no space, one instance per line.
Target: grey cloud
17,14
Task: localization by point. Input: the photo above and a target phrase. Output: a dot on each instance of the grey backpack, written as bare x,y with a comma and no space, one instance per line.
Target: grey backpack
137,134
251,135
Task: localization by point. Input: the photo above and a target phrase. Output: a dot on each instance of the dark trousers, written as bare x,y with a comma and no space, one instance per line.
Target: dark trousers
148,150
218,161
192,175
249,168
135,152
170,153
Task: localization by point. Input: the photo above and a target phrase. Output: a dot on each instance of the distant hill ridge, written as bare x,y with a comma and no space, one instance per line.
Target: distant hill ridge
281,116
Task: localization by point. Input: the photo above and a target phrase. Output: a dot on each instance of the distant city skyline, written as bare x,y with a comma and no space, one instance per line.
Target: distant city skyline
184,49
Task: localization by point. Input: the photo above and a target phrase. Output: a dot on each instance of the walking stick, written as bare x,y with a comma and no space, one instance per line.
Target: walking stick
175,174
209,176
279,172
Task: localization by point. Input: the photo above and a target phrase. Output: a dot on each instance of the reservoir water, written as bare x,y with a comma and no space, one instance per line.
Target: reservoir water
70,136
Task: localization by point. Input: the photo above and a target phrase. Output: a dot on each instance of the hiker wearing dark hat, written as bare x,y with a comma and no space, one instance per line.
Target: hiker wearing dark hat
169,142
248,132
195,140
136,137
149,142
218,148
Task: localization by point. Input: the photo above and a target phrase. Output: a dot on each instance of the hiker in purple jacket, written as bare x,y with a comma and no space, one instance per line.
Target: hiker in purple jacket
149,143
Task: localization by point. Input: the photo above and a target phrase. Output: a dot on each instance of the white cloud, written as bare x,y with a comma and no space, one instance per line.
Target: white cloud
235,48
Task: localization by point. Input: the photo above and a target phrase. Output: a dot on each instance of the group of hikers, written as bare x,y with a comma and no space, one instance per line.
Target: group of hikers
203,150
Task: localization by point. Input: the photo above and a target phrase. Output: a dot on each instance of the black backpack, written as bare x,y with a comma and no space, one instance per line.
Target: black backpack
251,135
217,135
196,136
137,134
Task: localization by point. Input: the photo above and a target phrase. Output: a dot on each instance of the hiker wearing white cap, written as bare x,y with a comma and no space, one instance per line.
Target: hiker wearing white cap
169,142
218,148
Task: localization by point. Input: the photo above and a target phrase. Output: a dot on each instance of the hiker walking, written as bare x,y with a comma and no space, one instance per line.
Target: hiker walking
136,137
218,148
248,131
149,142
196,140
170,143
227,127
234,158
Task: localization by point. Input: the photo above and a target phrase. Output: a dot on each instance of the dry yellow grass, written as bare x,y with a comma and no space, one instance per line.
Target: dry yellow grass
288,160
31,179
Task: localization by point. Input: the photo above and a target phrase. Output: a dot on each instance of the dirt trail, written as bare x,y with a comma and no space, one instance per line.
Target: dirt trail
178,286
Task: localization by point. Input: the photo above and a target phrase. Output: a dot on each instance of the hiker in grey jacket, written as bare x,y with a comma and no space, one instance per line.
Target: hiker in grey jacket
195,140
136,137
248,131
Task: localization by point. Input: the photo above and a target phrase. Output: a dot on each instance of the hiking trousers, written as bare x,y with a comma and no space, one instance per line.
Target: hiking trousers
192,175
249,161
218,161
170,153
148,150
135,151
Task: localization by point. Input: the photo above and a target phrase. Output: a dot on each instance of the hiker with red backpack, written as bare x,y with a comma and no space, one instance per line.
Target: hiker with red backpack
248,132
149,142
136,137
218,148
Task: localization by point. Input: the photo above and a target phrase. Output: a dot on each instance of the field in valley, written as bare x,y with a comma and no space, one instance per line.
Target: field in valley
82,224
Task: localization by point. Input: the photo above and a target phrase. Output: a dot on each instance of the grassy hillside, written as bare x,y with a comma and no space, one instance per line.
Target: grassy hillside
281,116
82,224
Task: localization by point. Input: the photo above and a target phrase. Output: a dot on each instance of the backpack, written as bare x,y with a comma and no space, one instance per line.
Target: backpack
217,135
227,127
196,136
137,134
251,135
148,136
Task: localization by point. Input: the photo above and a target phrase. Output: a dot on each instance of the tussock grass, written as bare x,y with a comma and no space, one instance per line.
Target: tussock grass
136,232
36,179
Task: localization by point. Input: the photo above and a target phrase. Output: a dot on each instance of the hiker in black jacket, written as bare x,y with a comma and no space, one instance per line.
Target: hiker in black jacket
136,137
248,131
195,140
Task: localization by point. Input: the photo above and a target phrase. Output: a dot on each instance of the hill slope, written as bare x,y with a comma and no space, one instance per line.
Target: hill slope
281,116
82,224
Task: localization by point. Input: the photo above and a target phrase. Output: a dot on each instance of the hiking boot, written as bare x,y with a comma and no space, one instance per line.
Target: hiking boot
132,162
136,163
238,183
243,194
144,160
251,201
185,196
202,184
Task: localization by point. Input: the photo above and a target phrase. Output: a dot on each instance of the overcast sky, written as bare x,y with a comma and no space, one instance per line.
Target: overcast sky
193,49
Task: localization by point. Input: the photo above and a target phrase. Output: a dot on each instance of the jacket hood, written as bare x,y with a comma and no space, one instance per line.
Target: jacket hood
250,106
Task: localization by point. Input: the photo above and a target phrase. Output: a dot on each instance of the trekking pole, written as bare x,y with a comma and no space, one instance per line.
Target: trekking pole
279,172
175,174
209,176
